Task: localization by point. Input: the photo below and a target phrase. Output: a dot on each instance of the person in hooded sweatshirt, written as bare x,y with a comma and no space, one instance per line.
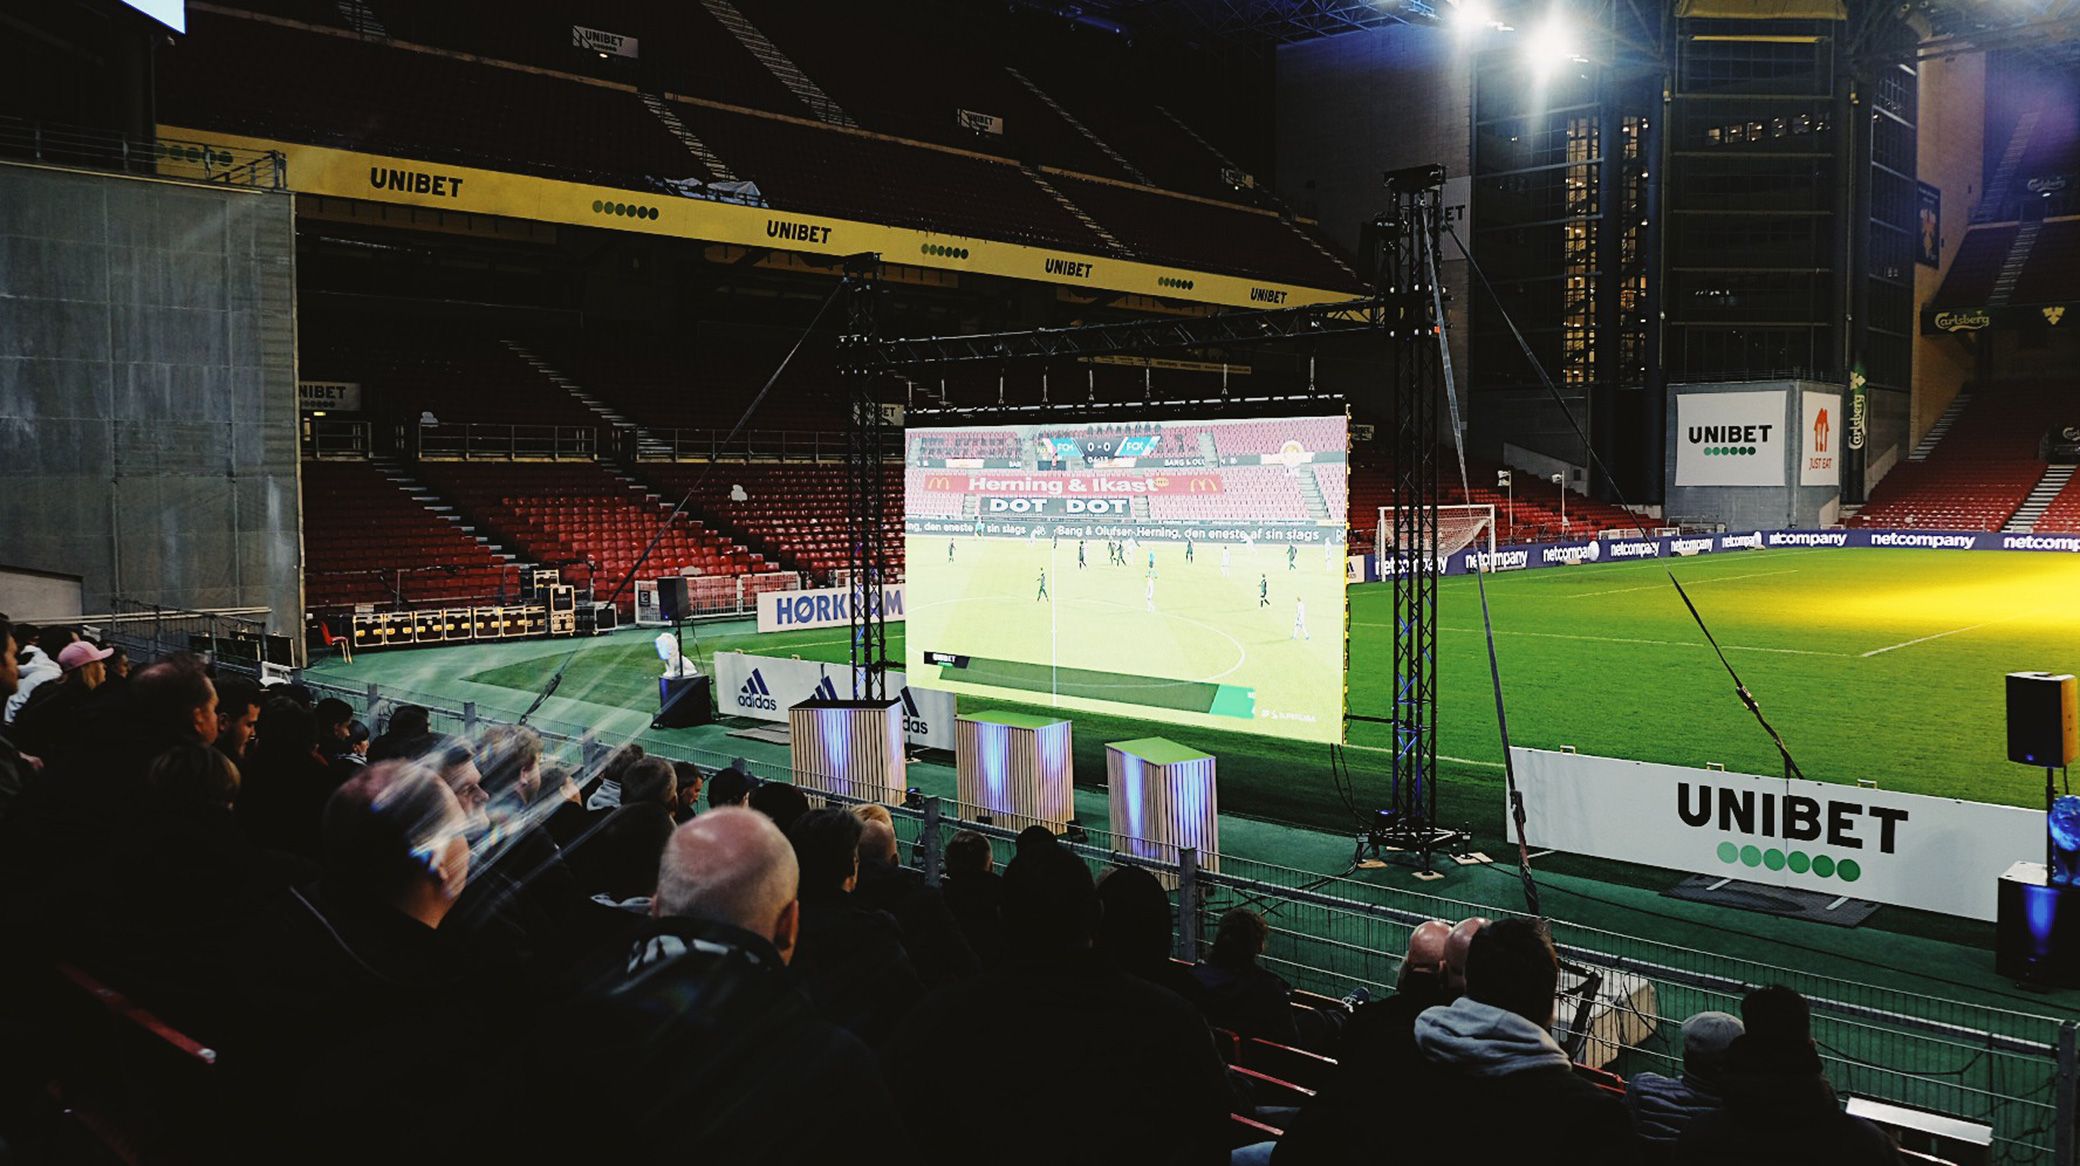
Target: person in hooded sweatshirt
1488,1056
1662,1108
1780,1109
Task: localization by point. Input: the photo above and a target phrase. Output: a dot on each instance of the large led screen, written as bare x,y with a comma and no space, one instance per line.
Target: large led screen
1190,572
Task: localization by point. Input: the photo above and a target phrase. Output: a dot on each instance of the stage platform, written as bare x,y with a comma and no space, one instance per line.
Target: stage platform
1930,955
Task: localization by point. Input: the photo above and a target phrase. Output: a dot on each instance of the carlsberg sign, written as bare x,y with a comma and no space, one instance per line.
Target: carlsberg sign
1934,854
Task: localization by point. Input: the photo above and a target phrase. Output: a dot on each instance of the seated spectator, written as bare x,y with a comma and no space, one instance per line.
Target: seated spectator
511,767
282,804
50,721
603,792
691,782
937,948
407,734
194,775
238,711
166,703
1663,1108
15,770
38,650
1779,1108
332,716
974,894
781,801
352,757
459,772
1456,947
732,786
1377,1057
851,961
118,664
1134,931
700,1009
618,860
1238,994
561,806
1489,1053
1158,1092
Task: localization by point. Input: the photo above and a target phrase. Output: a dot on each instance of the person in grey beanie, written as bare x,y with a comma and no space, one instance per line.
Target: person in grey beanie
1662,1108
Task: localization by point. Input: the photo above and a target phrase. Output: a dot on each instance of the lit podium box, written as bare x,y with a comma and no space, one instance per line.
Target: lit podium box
1016,768
1162,801
853,748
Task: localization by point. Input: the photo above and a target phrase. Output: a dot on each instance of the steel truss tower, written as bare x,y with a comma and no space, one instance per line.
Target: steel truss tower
867,478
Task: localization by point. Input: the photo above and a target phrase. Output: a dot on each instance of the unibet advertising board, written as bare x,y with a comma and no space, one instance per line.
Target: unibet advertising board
1730,439
1911,850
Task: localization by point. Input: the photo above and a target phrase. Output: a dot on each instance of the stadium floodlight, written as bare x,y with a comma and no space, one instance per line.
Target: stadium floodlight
1553,45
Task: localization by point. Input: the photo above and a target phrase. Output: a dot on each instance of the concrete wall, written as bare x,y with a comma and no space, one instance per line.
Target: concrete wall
1950,147
148,430
1345,118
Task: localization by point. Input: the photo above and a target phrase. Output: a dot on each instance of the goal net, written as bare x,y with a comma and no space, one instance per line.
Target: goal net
1458,527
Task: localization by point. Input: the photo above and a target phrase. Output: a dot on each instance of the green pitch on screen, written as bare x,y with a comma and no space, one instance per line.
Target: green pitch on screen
1218,651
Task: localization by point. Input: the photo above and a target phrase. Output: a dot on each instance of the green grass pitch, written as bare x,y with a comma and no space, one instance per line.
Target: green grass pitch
1874,664
1210,643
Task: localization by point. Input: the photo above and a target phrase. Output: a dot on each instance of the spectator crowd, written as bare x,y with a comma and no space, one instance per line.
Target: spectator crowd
408,946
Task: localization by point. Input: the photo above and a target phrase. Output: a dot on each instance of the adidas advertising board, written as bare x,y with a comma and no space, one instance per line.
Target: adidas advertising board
1910,850
763,688
820,607
1731,439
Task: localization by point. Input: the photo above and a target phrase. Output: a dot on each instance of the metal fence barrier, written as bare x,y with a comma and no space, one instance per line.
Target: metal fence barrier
2011,1070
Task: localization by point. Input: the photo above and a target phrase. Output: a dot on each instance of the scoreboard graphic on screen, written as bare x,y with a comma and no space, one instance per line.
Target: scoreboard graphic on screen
1188,571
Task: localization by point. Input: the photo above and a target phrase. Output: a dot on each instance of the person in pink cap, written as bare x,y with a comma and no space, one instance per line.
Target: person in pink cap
44,722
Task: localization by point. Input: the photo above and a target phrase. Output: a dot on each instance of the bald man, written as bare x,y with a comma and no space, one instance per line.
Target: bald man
1456,946
1377,1057
700,1016
938,948
733,866
1425,954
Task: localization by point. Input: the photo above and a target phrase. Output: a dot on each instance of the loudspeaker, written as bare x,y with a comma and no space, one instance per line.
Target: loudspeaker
2043,719
672,600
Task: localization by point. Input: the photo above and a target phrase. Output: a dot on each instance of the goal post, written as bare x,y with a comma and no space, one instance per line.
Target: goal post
1459,526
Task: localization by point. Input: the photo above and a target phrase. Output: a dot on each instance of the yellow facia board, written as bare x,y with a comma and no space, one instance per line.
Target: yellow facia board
350,174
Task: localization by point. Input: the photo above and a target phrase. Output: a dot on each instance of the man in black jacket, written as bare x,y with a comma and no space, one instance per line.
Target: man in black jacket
852,961
1489,1055
1150,1090
930,934
1780,1109
701,1011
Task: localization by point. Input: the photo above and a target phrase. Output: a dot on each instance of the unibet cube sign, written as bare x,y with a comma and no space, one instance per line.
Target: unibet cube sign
1730,439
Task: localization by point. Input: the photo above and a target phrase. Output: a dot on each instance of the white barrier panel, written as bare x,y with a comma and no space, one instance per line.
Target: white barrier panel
765,687
821,607
1911,850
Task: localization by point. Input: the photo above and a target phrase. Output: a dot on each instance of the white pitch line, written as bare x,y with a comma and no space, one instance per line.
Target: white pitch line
1692,583
1937,636
1440,757
1628,640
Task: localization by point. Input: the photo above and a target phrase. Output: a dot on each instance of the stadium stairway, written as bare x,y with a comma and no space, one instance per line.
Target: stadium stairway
2040,497
577,391
1936,432
374,535
2063,515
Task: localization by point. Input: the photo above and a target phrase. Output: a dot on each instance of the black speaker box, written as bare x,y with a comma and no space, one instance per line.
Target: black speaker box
672,600
2042,728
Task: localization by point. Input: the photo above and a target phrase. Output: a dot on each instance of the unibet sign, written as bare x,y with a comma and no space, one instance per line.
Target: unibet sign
1730,439
1933,854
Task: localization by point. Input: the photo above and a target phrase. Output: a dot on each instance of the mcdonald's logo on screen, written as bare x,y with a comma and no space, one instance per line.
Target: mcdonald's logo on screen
938,482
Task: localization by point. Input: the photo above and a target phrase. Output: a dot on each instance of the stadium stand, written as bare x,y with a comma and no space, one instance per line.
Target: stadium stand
930,503
1165,228
794,513
458,372
421,105
2063,515
366,541
468,85
582,514
1969,282
662,381
1979,473
1529,512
